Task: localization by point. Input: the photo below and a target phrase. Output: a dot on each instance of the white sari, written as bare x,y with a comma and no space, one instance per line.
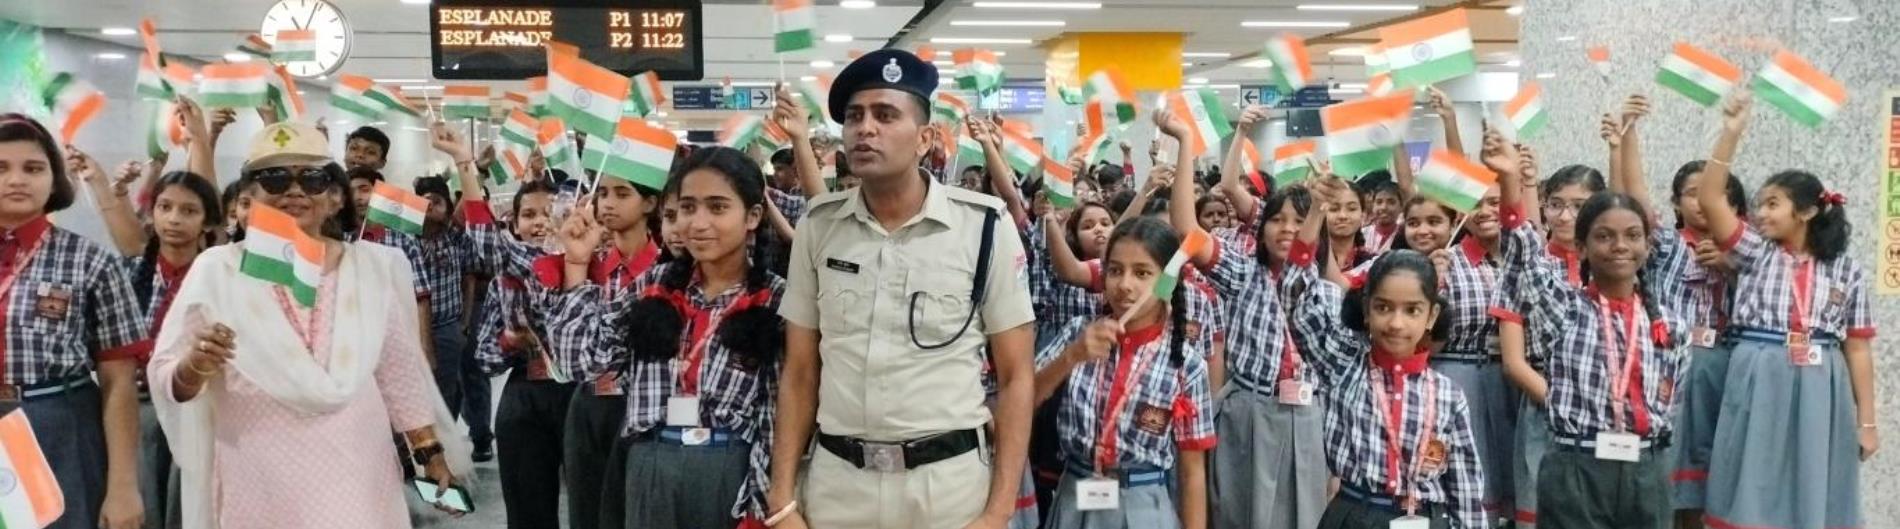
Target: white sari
271,355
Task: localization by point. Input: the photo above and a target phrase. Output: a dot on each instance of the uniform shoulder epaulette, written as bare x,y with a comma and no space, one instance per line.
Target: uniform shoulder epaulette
827,199
974,198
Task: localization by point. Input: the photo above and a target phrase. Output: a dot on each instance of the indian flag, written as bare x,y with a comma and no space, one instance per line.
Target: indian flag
390,99
1526,110
234,85
563,48
351,94
796,21
1293,162
163,132
74,102
1798,89
1202,108
1021,151
1698,75
773,137
1094,146
538,96
518,99
148,34
509,165
396,208
816,93
638,153
1430,49
968,149
556,148
1109,86
1292,69
1195,242
1375,59
277,251
181,78
926,52
151,80
646,96
740,130
1061,182
977,70
950,108
1379,85
1454,181
254,45
519,129
587,96
1250,163
1360,134
283,96
294,45
32,498
465,101
1600,59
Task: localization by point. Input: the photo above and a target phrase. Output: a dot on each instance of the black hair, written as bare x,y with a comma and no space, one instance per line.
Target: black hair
435,185
1587,216
1353,311
1200,204
365,173
1737,195
1120,201
1401,243
1829,230
656,223
923,107
1108,174
17,127
213,221
755,333
372,135
528,188
782,157
1570,175
1073,226
1302,201
978,168
1160,241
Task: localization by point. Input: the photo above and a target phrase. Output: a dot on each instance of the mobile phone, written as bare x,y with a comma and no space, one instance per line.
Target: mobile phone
455,499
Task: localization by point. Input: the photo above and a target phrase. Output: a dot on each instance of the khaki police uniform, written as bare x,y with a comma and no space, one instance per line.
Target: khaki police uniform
853,282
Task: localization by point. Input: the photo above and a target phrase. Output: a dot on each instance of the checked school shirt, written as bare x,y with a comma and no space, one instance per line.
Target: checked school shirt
1056,302
1250,293
509,298
1708,291
440,264
1357,446
70,304
1839,305
1167,403
731,397
1566,321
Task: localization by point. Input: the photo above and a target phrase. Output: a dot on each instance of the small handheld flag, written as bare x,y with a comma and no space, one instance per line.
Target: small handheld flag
234,85
465,101
1116,95
1251,164
1600,59
1201,108
1019,150
1061,182
585,95
638,153
1698,75
1360,134
509,165
538,96
647,96
254,45
977,70
1293,162
796,21
283,95
1292,69
1195,242
74,102
1430,49
1454,181
556,148
33,498
1526,110
1799,89
520,129
277,251
151,79
396,208
740,130
351,94
949,108
294,45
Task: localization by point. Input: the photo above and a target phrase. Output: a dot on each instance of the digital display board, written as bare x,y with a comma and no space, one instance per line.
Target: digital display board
503,39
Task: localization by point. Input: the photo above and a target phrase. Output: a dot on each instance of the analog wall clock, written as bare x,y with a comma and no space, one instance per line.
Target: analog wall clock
331,27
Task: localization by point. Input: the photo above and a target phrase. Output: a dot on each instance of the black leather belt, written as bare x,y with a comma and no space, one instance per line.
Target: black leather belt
894,457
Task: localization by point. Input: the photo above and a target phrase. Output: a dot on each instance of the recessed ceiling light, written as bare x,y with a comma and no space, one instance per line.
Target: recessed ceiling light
1513,63
237,57
943,64
1842,19
421,87
1566,38
1258,63
1355,51
1037,5
110,56
1357,7
944,81
1207,54
1546,75
1197,80
975,40
1009,23
416,2
118,32
821,63
857,4
808,78
1351,86
1294,24
1233,86
1343,90
1514,10
949,54
1186,64
837,37
399,81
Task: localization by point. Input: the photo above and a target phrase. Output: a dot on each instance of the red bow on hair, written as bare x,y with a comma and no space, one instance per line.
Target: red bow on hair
1834,198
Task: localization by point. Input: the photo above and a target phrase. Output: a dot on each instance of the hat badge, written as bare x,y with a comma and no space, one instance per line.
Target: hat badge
892,72
281,138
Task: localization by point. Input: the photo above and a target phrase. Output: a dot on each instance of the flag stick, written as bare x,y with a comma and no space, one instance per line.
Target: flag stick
1456,229
1145,297
602,166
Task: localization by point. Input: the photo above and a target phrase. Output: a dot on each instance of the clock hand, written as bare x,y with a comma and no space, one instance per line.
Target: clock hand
313,16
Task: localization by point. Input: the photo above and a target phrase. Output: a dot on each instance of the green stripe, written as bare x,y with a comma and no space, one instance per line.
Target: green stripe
150,91
231,100
1536,123
1682,85
465,111
791,41
50,93
508,133
272,271
357,106
388,102
635,173
1061,201
1787,103
1451,197
1425,73
1353,165
1290,176
578,119
293,56
393,221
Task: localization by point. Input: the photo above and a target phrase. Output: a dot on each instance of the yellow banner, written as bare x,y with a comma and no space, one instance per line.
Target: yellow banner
1150,61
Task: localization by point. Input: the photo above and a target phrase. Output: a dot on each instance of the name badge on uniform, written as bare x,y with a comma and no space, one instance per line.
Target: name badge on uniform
1410,522
682,411
841,266
1703,337
696,436
1619,446
51,302
1296,393
1433,458
1801,352
1098,494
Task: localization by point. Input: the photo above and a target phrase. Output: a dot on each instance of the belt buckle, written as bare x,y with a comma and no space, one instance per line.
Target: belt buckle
884,457
9,393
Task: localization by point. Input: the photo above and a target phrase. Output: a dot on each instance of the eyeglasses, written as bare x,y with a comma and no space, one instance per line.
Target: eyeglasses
277,180
1556,207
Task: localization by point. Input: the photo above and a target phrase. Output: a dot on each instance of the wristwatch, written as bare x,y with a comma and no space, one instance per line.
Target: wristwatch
425,453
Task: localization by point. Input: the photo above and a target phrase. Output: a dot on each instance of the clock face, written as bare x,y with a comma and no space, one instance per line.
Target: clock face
332,31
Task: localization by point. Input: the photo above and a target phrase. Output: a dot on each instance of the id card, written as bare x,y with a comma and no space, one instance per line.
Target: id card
1801,351
1296,393
1097,494
1410,522
1703,337
682,411
1619,446
696,436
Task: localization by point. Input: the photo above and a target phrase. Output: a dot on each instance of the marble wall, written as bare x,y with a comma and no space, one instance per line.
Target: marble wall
1862,54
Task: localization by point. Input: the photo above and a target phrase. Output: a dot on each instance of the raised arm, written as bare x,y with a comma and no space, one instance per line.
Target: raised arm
1634,180
1160,180
1183,188
1062,260
1233,177
1441,105
790,114
201,148
1532,204
128,236
1722,218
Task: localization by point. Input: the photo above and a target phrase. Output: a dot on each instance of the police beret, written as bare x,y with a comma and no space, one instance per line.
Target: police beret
885,68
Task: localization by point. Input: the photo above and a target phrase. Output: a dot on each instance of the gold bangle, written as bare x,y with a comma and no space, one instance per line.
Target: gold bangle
1868,426
193,367
1718,161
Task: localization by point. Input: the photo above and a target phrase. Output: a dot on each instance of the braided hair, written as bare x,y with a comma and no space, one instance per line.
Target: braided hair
1594,209
754,331
1160,241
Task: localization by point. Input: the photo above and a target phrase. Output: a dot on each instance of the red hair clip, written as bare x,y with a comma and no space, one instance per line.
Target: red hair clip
1659,331
1833,197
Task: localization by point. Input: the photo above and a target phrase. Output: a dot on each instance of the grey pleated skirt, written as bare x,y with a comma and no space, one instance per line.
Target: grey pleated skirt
1493,401
1269,471
1533,441
1786,453
1698,405
680,487
1143,507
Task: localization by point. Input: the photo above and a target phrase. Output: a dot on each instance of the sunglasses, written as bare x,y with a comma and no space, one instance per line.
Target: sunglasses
277,180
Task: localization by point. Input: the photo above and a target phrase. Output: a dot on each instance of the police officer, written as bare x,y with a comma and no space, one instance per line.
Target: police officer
894,290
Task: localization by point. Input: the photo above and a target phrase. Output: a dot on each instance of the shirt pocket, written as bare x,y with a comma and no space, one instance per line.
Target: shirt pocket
939,306
45,308
844,301
1830,306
